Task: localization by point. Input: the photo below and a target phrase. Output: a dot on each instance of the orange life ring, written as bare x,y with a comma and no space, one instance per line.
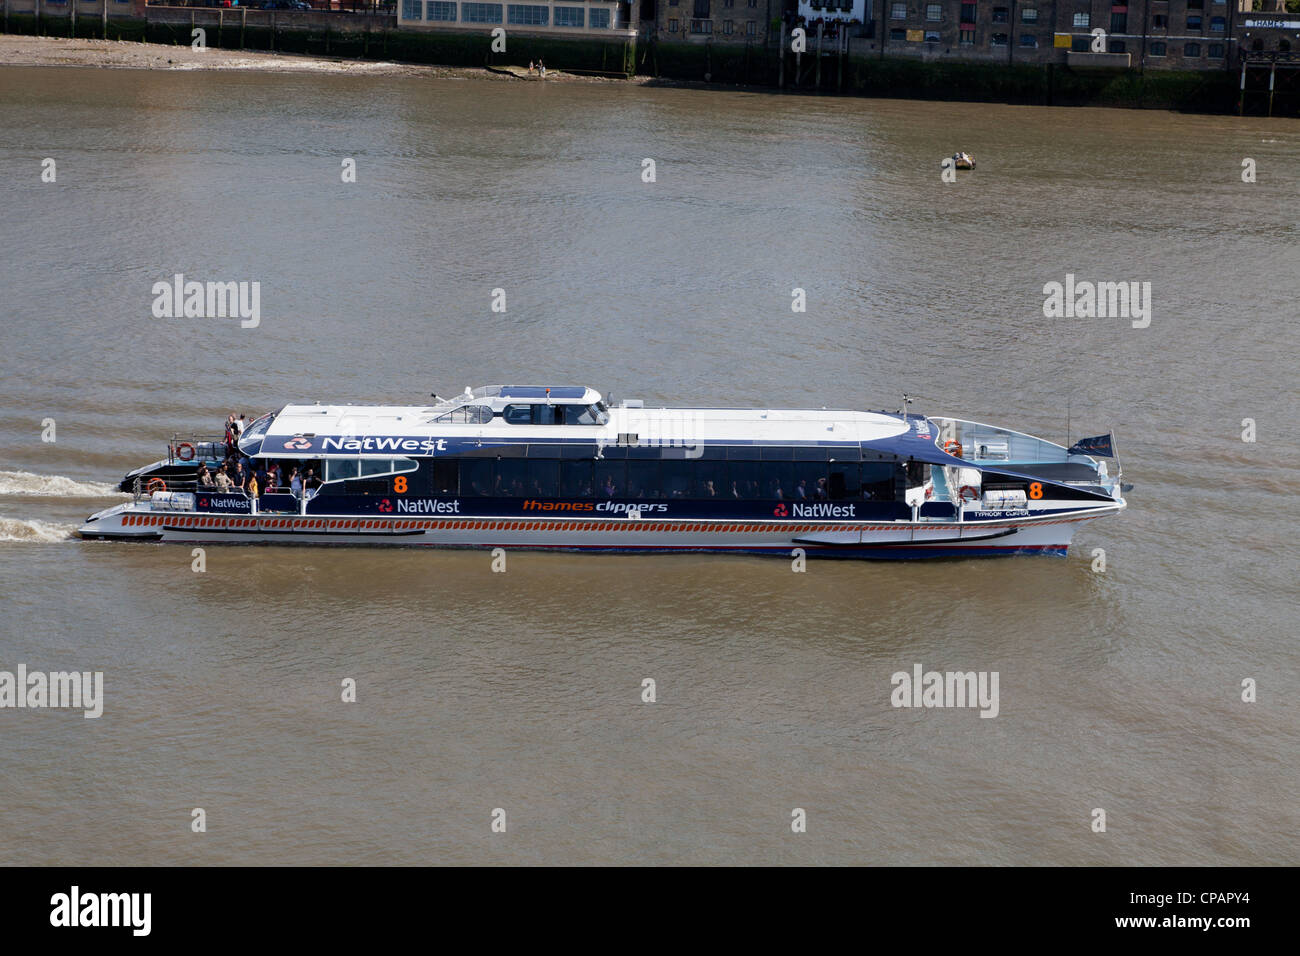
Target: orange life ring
182,448
161,485
953,448
961,494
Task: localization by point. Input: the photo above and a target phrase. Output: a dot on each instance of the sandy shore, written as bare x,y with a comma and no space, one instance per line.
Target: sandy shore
61,51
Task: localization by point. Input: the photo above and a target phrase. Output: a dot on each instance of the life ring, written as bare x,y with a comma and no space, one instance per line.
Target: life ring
953,448
181,450
974,494
155,484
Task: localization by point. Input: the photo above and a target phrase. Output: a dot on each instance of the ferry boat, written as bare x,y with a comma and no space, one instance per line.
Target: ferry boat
535,467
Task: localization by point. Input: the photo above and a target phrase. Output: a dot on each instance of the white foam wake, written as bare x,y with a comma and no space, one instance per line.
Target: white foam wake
16,529
26,483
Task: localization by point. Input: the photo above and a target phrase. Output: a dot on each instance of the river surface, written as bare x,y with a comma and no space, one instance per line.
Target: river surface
1119,690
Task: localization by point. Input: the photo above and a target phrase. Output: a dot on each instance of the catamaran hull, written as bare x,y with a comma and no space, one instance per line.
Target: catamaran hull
892,541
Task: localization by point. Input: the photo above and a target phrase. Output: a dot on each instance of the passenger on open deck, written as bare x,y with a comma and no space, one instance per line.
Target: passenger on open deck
223,481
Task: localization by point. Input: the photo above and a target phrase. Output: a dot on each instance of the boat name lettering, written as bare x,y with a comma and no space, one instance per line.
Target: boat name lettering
1009,513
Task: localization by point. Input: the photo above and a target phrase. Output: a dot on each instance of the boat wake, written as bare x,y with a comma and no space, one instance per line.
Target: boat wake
16,529
54,486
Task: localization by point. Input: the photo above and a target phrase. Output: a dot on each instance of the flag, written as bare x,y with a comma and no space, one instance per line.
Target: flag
1099,445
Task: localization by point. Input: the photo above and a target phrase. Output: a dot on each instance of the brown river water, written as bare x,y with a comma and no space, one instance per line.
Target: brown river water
1119,690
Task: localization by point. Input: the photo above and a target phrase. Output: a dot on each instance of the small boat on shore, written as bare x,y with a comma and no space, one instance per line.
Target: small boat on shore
963,161
557,468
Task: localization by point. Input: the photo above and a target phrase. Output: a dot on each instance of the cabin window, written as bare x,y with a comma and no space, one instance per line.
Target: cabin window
467,414
575,479
610,478
518,414
476,477
338,469
445,477
679,478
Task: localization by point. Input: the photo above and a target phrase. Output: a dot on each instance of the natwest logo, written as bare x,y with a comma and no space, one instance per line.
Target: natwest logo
426,506
825,511
297,443
781,511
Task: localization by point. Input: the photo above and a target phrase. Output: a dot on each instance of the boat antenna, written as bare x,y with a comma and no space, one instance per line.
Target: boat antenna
907,400
1067,422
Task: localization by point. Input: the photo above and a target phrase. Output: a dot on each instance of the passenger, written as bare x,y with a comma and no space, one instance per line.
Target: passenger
735,492
610,490
223,482
205,477
263,480
820,494
295,483
311,483
709,491
273,477
239,478
252,488
801,490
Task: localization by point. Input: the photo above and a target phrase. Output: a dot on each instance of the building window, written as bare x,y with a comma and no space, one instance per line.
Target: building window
570,16
1117,46
1119,23
898,11
672,26
966,37
411,9
1193,22
480,12
1159,21
934,11
1028,40
1029,15
1217,24
999,39
728,26
441,10
522,15
751,29
753,4
1191,49
598,19
728,3
1195,4
698,26
1081,44
898,35
1082,19
1158,48
701,10
967,13
1216,51
1000,15
931,36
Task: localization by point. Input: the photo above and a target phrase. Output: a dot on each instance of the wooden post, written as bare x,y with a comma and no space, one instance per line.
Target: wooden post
103,6
1241,94
1272,75
221,22
72,20
243,18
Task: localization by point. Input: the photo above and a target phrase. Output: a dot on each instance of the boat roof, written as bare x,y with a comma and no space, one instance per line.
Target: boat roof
375,430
